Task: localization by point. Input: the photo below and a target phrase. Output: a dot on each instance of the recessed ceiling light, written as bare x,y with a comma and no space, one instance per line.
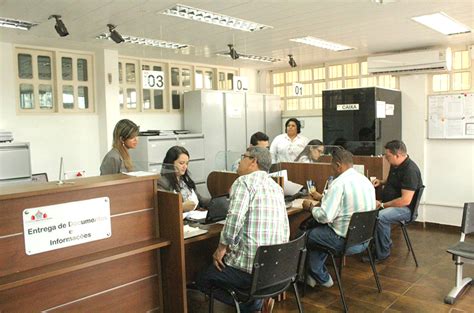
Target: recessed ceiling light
190,13
18,24
250,57
443,23
146,41
320,43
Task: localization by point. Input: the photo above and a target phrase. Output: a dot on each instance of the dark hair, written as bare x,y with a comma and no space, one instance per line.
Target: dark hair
258,136
342,156
396,146
168,170
306,150
123,130
298,124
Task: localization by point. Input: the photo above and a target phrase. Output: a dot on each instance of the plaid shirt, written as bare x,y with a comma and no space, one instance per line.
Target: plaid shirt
257,216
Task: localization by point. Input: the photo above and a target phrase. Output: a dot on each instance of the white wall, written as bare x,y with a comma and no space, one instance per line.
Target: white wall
82,139
75,137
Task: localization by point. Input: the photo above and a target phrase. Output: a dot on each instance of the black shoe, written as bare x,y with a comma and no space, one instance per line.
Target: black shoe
366,259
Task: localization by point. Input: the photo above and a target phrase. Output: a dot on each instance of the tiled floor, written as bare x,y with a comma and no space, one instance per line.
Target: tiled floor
406,288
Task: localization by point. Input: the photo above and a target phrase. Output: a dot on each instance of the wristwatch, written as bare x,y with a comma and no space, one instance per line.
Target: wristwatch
381,205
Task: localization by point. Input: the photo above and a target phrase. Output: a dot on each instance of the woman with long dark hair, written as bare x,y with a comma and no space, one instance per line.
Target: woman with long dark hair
175,177
311,152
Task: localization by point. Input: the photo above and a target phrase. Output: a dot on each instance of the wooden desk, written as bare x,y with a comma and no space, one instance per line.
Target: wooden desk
120,273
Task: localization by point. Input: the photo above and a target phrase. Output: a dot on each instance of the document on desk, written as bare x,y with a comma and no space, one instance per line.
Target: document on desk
139,173
190,231
298,203
195,215
290,188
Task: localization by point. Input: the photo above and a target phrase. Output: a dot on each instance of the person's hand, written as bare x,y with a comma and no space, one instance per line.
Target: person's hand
377,204
308,204
315,194
218,256
188,205
376,183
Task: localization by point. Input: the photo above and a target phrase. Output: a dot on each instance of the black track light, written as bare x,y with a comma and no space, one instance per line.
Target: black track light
59,26
233,53
291,61
114,34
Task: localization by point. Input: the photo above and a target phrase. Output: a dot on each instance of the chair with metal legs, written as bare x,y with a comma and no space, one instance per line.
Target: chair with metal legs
275,268
462,252
415,202
361,230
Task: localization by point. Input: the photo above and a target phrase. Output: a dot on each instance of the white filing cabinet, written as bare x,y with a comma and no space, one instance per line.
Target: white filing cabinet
15,162
151,150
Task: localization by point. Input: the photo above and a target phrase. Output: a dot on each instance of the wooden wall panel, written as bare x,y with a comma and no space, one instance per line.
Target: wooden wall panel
123,198
126,229
136,297
69,287
301,172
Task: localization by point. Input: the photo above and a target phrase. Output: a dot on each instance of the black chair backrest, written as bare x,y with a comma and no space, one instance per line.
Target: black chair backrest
276,266
415,203
468,218
361,228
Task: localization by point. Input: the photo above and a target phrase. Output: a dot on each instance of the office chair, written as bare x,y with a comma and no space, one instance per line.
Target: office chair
462,252
415,202
361,230
275,268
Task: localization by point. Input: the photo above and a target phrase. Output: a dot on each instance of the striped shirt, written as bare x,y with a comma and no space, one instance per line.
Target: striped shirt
350,192
257,216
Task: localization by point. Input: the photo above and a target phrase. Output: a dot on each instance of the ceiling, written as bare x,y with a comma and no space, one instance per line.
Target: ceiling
369,27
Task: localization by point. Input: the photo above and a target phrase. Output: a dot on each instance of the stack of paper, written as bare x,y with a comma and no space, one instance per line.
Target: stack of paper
190,231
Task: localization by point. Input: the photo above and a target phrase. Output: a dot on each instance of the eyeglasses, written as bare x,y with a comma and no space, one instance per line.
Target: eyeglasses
243,156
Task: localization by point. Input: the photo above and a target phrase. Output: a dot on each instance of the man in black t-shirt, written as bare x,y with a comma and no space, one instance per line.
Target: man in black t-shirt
403,180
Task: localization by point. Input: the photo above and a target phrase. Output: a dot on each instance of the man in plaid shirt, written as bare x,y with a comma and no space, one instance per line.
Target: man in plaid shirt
257,216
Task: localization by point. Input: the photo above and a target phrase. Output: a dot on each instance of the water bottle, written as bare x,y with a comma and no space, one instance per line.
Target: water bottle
330,179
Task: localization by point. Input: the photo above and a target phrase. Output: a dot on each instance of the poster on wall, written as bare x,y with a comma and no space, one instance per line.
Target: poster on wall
451,116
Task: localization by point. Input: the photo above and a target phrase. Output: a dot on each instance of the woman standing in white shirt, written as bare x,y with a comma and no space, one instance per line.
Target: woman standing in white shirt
286,147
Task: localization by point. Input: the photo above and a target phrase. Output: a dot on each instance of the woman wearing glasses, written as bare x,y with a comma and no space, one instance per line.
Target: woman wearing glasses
311,152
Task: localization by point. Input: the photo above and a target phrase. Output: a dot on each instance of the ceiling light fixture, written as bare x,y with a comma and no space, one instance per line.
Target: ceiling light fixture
250,57
292,61
199,15
146,41
18,24
59,26
320,43
443,23
114,34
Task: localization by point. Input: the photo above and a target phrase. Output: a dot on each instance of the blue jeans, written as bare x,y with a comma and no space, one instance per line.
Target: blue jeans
388,216
230,276
325,235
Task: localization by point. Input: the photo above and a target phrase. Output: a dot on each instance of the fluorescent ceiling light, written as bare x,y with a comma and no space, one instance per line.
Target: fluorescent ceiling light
443,23
320,43
147,41
190,13
250,57
18,24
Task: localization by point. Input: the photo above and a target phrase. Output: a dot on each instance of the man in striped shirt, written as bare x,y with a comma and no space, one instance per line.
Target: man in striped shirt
350,192
257,216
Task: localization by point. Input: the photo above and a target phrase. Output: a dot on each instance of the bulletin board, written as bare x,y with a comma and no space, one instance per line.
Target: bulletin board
451,116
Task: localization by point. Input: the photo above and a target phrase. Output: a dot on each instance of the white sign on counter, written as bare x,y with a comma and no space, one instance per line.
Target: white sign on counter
68,224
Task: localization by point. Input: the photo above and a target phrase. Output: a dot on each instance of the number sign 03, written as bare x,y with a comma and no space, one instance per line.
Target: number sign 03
153,80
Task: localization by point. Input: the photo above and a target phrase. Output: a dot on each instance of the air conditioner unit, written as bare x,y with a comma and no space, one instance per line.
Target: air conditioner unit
408,62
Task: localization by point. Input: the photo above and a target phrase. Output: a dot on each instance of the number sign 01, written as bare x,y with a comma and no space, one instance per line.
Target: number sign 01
297,89
153,80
